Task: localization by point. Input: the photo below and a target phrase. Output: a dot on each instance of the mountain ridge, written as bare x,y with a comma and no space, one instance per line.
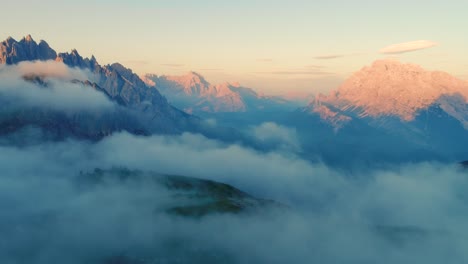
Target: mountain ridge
193,93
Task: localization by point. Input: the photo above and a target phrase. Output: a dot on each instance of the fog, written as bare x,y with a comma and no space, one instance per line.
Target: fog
276,135
57,92
412,213
407,213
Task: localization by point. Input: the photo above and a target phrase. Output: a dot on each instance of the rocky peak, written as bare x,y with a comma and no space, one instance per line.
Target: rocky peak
191,83
73,59
389,87
75,53
10,40
93,59
194,78
12,51
28,38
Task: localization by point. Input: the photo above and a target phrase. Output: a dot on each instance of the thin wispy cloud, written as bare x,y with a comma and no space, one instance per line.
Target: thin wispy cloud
265,60
297,72
212,69
408,47
329,57
137,62
173,65
315,66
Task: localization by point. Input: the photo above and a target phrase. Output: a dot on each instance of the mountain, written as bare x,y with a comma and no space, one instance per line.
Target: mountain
194,94
412,113
190,197
389,88
139,108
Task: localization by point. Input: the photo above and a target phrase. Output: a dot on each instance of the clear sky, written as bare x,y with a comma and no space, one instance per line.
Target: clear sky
273,46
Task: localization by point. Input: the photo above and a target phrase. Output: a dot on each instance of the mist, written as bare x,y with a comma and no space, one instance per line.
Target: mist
55,90
409,213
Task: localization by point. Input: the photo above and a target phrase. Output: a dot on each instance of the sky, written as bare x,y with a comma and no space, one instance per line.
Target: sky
277,47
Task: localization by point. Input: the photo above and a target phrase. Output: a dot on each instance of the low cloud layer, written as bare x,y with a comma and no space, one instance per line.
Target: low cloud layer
50,85
408,47
406,214
276,135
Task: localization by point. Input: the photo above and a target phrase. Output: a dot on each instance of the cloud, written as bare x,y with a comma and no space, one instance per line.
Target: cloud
51,69
173,65
408,47
317,67
401,215
301,73
265,60
273,134
211,69
137,62
329,57
59,92
309,70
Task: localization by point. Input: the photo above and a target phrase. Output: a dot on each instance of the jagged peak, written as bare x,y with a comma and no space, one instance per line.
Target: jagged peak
28,38
10,39
74,52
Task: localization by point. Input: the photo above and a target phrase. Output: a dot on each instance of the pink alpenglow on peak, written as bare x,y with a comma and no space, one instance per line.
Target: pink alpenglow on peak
391,88
196,93
193,93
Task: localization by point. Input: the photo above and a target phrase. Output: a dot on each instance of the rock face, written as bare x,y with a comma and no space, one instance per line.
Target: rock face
145,106
194,94
12,51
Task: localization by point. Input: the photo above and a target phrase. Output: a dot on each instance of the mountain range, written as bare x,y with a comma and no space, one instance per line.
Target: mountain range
140,108
193,93
409,112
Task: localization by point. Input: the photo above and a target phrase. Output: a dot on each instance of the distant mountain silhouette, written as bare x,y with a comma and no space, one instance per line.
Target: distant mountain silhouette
194,94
